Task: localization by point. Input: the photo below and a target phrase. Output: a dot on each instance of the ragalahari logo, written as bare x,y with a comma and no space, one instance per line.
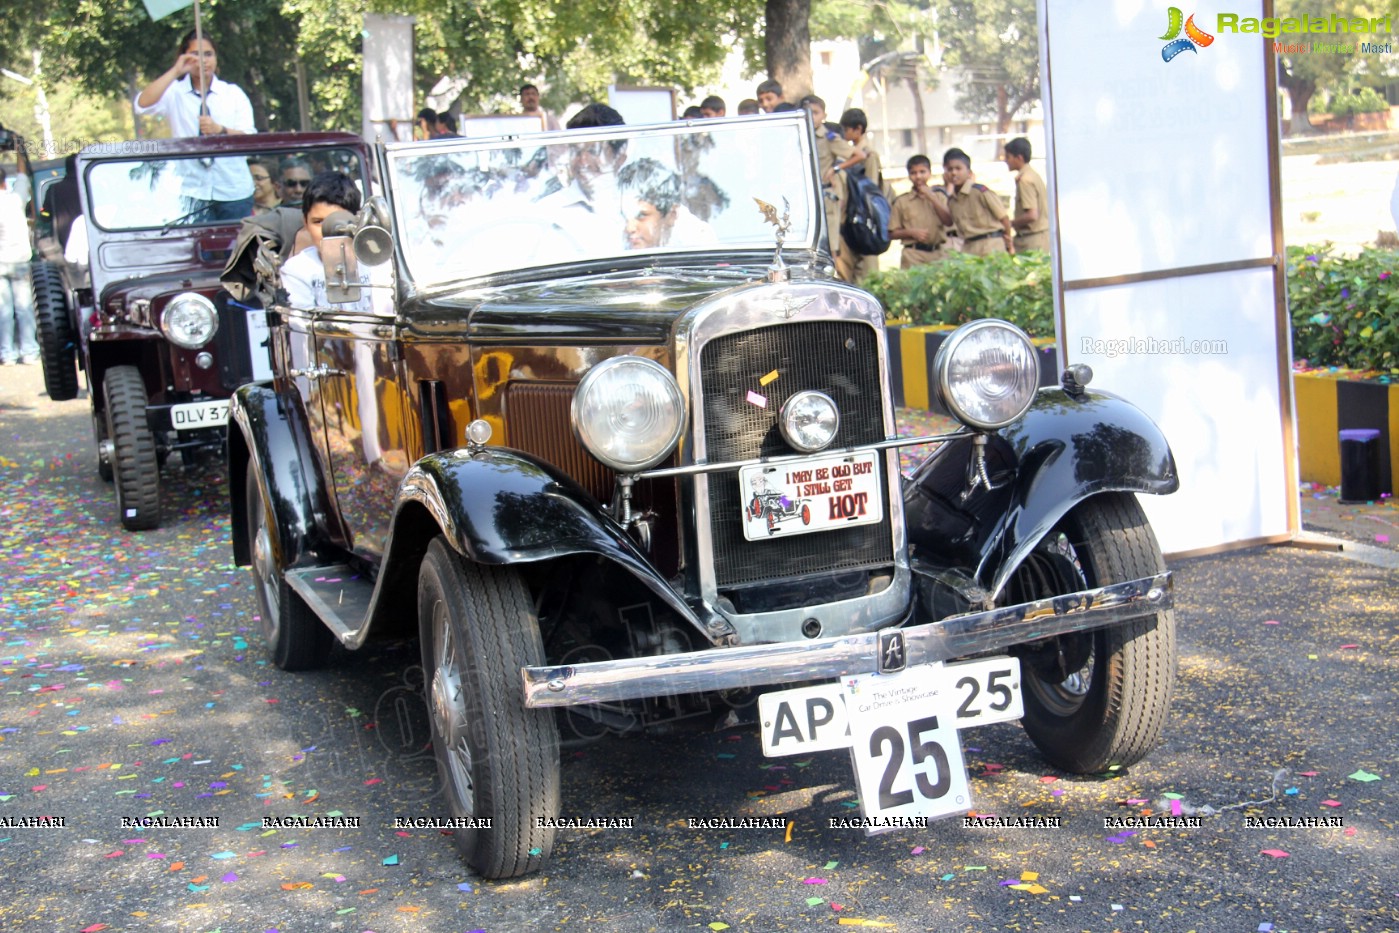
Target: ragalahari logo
1193,35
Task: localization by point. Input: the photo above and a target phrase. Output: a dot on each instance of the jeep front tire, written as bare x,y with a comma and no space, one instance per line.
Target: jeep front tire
135,468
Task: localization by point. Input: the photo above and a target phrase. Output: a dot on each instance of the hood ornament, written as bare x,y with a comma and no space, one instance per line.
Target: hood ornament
778,271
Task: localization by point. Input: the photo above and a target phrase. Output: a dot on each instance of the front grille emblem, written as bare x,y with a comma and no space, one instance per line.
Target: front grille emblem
792,304
892,656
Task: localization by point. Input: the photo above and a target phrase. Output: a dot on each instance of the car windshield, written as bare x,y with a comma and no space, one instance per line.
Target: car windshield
466,209
190,190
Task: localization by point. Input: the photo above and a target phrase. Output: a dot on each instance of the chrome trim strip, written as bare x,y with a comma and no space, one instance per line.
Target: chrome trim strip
831,451
828,658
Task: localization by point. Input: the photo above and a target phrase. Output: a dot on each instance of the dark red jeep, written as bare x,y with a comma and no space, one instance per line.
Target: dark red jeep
145,317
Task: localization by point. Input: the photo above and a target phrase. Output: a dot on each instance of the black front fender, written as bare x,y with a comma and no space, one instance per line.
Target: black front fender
1063,451
274,440
499,506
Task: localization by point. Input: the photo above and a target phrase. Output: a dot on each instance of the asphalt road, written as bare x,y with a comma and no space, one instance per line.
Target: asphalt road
132,683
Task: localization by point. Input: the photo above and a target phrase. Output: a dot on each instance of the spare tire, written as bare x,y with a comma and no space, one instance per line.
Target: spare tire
58,345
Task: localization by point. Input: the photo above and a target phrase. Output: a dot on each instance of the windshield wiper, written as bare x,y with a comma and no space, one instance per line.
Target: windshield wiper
179,220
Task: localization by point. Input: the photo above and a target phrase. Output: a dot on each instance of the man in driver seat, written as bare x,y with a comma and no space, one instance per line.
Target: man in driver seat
303,275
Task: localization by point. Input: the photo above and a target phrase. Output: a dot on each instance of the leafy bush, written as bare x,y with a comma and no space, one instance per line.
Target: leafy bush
1345,311
964,288
1346,103
1365,100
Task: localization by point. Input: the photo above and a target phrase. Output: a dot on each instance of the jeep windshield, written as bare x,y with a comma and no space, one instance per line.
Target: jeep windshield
465,208
165,190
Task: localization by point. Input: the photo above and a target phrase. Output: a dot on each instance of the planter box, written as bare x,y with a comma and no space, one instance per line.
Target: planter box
912,349
1328,403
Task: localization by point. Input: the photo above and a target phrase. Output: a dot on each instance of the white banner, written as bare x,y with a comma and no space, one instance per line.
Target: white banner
389,109
1164,194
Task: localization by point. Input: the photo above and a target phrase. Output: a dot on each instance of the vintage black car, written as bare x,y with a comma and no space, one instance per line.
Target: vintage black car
534,440
144,316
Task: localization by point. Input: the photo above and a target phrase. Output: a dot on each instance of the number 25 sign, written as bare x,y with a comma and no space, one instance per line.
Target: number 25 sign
904,745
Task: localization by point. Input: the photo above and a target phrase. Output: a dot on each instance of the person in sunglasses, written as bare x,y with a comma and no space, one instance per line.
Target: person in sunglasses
295,176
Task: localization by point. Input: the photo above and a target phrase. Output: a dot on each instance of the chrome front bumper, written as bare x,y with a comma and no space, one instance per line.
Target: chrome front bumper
829,658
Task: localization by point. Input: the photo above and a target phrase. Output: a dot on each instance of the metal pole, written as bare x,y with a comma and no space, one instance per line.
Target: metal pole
41,107
199,54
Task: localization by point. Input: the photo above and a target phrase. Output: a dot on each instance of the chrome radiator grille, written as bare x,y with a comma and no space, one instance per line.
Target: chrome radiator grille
839,358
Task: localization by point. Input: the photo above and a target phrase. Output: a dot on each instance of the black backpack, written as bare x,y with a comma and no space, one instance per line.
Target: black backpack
866,226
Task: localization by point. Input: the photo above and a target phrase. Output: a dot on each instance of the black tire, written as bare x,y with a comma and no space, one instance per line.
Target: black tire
1101,698
58,345
497,759
295,636
135,470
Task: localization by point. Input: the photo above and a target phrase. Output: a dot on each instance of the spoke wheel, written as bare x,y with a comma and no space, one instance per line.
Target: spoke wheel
1098,699
498,760
58,345
135,469
298,640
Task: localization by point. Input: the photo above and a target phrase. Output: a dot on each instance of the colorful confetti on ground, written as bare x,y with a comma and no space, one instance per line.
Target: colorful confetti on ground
137,706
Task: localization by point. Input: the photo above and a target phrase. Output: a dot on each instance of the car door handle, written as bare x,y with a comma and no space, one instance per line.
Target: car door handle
316,372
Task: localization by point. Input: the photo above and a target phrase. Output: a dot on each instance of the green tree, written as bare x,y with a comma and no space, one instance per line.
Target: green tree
892,37
111,48
787,45
996,45
76,117
576,48
1303,75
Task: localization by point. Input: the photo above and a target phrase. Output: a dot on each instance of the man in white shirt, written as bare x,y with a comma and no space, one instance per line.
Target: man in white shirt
529,106
17,343
196,102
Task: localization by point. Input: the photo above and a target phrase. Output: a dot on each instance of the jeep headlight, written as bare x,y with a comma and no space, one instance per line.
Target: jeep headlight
628,413
189,320
987,374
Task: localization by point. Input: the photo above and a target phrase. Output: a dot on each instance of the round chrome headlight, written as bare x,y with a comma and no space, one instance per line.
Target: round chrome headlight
987,373
809,421
189,320
628,413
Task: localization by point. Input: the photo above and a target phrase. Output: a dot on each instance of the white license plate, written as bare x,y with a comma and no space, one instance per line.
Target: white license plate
810,495
192,415
815,719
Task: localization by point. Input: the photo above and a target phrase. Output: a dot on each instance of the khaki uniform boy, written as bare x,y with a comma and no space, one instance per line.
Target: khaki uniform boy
917,217
850,265
977,211
832,152
1031,217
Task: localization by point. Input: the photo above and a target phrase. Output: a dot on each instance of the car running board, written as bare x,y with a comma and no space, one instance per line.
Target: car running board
337,593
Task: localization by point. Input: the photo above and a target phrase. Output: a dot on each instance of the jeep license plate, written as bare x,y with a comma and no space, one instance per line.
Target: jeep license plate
193,415
810,495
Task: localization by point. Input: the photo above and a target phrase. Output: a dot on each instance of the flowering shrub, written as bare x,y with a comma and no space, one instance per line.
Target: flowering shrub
964,288
1345,311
